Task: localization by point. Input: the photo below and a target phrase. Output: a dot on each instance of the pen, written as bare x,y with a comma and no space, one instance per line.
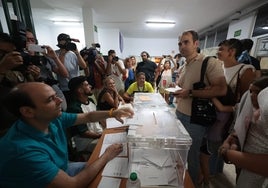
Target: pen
154,118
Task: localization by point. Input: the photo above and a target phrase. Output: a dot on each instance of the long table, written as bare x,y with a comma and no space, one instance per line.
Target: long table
94,156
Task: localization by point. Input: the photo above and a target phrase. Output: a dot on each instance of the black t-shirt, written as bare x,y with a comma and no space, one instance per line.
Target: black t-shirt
148,67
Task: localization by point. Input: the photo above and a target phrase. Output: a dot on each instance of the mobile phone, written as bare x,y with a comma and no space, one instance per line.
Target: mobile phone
37,48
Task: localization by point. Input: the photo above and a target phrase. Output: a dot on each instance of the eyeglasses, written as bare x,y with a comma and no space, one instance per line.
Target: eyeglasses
143,55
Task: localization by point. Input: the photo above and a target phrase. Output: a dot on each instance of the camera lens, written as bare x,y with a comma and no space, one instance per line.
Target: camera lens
115,58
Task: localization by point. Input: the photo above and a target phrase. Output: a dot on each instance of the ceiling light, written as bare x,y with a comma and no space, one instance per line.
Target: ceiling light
265,27
160,24
67,22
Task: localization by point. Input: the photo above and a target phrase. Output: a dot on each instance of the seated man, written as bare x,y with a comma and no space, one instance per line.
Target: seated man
85,135
35,146
139,86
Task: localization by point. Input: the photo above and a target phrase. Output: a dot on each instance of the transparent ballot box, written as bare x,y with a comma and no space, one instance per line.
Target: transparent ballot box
158,146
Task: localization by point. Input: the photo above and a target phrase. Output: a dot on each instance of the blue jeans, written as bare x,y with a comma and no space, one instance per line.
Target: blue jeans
171,96
197,132
75,167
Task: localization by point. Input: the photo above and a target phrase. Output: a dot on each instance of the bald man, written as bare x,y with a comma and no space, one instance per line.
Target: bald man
35,147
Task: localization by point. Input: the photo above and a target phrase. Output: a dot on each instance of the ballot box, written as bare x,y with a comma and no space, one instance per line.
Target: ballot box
158,144
149,100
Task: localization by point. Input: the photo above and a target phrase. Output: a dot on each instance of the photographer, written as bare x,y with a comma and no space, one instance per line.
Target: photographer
48,62
96,68
12,72
13,69
116,69
71,59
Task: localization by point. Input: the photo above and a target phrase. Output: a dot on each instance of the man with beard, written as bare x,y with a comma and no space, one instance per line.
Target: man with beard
148,67
85,135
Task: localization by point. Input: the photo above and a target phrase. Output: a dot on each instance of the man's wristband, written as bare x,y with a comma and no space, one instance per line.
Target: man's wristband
111,112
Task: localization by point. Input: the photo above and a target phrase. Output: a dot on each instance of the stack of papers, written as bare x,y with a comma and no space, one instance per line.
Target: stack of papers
118,167
173,89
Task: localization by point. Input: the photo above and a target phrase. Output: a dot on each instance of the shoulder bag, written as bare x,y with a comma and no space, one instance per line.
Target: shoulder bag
203,110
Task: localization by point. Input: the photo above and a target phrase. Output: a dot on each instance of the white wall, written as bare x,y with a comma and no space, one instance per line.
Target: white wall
155,47
47,35
109,39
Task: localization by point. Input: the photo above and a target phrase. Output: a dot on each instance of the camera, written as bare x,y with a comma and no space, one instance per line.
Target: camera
115,58
68,45
36,48
18,35
89,54
95,45
71,46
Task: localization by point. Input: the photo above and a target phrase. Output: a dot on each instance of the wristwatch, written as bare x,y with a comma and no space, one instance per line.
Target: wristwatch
190,93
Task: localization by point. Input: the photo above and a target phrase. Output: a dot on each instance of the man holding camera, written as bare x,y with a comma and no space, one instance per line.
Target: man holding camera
96,68
116,69
13,71
71,59
48,62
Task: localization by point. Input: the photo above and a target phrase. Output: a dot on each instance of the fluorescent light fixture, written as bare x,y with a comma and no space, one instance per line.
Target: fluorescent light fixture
160,24
66,22
265,27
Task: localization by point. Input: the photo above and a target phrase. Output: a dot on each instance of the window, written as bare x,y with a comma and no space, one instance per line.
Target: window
210,40
221,35
261,22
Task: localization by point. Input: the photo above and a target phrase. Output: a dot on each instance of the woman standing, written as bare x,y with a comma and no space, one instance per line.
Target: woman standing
166,78
238,77
130,75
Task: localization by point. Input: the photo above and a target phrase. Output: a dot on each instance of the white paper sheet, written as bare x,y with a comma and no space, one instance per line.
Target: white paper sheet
151,175
128,105
113,123
110,139
173,89
118,167
156,156
109,182
243,120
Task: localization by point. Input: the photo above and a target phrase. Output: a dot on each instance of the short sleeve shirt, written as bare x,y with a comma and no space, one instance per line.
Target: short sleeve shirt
31,158
134,88
71,64
189,74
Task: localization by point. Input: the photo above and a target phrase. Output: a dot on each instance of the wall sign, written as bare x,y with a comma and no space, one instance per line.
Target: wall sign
237,33
95,28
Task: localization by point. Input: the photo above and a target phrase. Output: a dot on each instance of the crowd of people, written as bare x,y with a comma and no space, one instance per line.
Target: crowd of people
65,96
